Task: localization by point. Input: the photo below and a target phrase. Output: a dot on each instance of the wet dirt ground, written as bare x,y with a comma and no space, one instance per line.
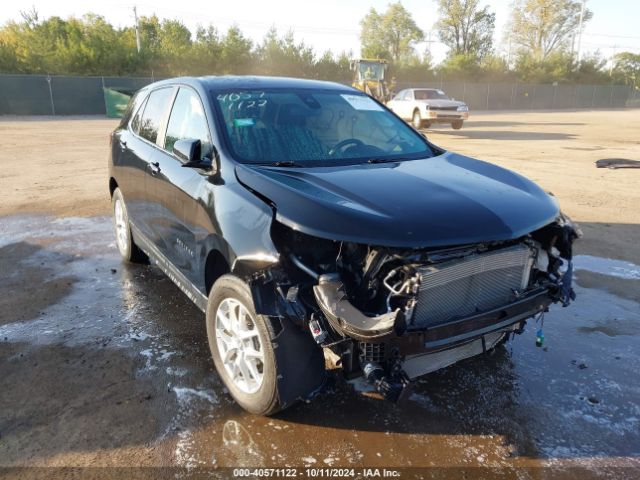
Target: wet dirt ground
107,364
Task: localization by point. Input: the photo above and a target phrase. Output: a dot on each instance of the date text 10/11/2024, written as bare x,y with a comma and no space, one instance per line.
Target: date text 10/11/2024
315,473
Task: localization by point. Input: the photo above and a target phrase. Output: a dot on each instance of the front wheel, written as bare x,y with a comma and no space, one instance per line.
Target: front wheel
124,240
241,346
457,125
416,120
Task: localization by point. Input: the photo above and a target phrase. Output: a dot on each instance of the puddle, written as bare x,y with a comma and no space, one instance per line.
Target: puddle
607,266
613,327
576,400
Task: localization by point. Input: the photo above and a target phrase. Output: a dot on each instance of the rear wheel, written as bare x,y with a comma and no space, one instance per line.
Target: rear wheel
124,240
241,346
416,120
457,125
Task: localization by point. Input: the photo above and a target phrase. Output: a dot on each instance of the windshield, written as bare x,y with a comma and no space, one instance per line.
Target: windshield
430,95
371,71
313,128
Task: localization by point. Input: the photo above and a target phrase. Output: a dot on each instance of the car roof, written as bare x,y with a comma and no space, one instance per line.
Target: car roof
227,82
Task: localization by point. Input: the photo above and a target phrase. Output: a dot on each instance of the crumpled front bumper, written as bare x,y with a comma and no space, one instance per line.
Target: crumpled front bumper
388,328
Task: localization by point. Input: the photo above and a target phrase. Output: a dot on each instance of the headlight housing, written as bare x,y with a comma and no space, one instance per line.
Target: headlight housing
564,220
463,108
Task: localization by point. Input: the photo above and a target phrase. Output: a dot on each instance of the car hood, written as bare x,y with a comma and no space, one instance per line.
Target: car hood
441,201
440,103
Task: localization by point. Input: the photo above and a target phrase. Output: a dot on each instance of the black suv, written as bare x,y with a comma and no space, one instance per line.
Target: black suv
304,217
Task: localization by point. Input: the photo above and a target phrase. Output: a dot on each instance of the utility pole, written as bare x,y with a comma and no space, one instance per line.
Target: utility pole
573,45
580,32
613,56
429,42
135,14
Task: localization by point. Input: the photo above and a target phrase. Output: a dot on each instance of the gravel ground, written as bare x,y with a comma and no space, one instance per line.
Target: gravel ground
105,364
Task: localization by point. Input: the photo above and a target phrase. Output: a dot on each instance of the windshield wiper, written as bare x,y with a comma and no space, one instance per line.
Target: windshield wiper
286,163
385,160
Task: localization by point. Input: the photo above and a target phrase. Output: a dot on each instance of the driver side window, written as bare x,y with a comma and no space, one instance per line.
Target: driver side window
188,121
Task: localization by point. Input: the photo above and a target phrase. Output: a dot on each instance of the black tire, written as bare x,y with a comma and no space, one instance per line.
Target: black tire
457,125
416,119
126,245
265,400
427,124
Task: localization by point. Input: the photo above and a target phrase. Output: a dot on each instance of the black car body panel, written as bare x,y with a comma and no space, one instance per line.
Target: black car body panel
363,225
187,213
445,200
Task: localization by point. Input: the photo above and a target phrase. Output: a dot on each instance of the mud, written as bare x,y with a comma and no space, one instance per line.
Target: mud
107,364
115,370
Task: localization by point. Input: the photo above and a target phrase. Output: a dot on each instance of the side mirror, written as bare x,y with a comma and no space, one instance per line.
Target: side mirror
190,151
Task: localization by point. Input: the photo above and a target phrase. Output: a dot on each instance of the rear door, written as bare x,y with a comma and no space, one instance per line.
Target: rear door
135,153
146,130
177,189
403,104
408,104
395,103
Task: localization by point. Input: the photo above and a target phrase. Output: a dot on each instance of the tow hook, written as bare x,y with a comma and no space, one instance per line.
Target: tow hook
394,386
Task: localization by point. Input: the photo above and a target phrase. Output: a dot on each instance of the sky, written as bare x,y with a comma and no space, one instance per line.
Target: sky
334,24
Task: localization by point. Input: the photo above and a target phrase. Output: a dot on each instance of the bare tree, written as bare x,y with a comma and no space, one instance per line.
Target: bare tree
30,17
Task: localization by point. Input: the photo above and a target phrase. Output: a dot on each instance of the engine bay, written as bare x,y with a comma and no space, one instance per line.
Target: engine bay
374,307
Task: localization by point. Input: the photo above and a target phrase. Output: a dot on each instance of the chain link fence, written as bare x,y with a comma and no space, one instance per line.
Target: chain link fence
634,98
61,95
57,95
529,96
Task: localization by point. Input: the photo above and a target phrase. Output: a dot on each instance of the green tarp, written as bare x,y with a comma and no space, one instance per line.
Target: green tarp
116,100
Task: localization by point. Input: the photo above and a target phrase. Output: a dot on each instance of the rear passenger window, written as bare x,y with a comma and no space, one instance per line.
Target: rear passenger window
188,121
137,119
153,113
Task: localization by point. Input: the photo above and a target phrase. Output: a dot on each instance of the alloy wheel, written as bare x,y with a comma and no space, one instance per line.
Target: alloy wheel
239,345
417,119
121,226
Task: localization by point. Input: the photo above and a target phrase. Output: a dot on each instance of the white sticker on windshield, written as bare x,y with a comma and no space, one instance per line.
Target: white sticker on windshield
362,102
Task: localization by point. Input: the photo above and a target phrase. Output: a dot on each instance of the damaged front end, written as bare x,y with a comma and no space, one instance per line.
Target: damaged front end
393,314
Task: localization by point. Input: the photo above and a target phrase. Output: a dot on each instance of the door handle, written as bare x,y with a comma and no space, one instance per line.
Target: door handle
155,167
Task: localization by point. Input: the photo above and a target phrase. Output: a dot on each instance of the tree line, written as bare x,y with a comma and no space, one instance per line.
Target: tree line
540,36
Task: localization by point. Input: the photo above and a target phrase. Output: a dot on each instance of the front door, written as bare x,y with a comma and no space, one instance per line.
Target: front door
176,189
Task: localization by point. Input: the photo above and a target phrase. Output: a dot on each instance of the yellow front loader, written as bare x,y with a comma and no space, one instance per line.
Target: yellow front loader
369,77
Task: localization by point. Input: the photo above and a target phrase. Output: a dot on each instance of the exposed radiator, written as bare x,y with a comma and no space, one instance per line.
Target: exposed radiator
478,283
